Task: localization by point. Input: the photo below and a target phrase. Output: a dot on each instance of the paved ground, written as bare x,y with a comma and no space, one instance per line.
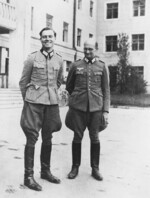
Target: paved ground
125,159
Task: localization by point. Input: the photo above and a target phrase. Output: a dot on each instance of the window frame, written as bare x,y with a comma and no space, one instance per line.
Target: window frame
32,18
79,4
111,10
139,9
65,31
49,20
111,43
91,35
138,42
79,36
140,70
91,11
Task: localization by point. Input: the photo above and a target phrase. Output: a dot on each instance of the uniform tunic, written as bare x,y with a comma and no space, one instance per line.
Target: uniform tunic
88,86
41,78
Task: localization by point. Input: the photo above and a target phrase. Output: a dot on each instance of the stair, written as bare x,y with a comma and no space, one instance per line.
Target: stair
10,98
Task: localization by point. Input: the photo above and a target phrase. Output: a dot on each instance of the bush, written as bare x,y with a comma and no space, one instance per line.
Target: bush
135,83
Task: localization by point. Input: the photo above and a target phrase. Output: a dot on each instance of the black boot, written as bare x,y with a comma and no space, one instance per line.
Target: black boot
29,164
76,160
45,164
95,155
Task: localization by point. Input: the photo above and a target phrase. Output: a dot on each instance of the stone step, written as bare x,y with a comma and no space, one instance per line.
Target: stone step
10,98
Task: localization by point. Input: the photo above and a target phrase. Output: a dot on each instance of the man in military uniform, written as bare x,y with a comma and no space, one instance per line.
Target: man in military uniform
89,98
41,78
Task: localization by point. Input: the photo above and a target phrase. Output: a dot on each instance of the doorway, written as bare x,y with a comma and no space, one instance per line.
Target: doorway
4,67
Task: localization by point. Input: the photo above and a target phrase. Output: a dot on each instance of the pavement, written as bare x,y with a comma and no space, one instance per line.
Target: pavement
125,159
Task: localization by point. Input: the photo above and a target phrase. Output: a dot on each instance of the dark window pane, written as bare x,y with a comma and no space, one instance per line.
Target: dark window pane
141,36
135,13
134,46
141,46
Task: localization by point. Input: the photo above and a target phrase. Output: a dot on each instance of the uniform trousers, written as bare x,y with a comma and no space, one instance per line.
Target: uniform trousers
36,117
78,121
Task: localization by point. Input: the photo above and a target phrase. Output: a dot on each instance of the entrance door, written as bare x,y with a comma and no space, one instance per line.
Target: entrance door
4,67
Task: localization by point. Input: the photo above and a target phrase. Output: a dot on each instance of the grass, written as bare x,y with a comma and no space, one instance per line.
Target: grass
141,100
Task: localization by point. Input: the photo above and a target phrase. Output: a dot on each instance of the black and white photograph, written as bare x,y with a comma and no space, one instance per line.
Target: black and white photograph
74,98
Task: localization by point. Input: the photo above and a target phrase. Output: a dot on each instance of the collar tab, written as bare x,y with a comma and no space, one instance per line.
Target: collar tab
89,61
46,54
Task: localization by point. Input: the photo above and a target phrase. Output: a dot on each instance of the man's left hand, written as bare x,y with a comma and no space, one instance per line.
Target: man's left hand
105,117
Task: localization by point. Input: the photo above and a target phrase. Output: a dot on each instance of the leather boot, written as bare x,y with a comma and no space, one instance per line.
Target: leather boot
29,164
45,164
95,156
76,160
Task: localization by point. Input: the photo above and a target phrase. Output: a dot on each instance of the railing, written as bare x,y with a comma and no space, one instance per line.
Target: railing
7,12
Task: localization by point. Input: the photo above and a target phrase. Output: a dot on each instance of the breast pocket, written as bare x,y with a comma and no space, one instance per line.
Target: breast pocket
97,76
39,69
80,75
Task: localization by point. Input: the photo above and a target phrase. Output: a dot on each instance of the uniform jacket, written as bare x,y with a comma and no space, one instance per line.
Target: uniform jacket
41,77
88,86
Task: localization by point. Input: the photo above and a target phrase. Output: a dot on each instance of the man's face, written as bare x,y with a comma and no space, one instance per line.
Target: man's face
48,40
89,51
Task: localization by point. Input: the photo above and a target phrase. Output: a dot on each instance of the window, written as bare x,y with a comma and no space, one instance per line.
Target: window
32,18
49,20
111,43
91,8
139,70
139,8
68,64
65,32
137,42
112,10
90,35
7,1
79,4
79,37
4,54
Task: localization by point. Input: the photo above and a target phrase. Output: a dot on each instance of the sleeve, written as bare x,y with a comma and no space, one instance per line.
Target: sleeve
26,75
60,75
71,80
106,89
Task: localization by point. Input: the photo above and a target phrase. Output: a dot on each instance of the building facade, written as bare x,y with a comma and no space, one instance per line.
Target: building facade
132,18
74,21
20,24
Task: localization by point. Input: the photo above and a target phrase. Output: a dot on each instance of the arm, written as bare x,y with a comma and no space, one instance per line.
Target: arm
70,80
26,75
106,94
105,89
60,75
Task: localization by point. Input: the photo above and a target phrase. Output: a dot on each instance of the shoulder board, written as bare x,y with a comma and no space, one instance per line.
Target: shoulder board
77,60
101,61
33,52
98,59
58,54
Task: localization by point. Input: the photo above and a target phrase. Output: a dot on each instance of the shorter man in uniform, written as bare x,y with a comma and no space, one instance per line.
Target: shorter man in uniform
41,78
88,87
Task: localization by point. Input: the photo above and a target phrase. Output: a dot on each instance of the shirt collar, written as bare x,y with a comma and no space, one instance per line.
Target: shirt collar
46,54
89,61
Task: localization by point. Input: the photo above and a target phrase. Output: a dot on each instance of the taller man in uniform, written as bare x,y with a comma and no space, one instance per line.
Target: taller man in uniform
88,87
41,78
